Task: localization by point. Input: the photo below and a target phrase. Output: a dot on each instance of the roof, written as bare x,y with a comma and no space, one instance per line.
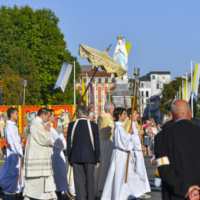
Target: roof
86,67
144,78
159,72
98,76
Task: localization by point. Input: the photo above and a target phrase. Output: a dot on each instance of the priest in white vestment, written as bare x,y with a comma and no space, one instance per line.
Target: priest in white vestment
59,144
106,127
38,172
115,187
138,156
9,176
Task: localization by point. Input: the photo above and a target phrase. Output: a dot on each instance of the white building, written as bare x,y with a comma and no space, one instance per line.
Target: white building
151,87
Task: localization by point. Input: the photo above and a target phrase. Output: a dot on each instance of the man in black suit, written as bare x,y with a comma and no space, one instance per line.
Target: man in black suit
83,152
179,163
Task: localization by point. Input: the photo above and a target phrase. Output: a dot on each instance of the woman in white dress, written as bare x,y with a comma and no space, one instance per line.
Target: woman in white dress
115,187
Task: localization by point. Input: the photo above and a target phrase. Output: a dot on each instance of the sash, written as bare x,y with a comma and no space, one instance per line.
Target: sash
90,131
70,169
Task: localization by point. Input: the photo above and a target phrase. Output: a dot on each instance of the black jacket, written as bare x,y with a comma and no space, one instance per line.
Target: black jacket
180,143
82,150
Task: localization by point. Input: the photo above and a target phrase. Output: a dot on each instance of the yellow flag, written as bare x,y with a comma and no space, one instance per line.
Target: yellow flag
185,90
83,87
128,47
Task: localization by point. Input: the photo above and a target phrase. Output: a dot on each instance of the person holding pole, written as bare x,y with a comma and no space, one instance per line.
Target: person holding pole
138,155
115,186
9,176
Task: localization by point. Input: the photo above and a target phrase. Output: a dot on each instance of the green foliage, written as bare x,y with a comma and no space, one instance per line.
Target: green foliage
168,94
32,45
11,87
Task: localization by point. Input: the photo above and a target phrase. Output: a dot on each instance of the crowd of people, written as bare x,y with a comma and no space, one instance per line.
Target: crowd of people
106,160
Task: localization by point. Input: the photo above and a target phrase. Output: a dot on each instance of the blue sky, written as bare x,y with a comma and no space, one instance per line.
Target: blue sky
165,34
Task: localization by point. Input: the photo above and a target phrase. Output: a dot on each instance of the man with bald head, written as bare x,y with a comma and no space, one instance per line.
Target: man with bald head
179,162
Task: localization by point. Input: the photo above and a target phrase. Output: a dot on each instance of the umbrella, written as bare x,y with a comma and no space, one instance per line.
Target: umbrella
101,58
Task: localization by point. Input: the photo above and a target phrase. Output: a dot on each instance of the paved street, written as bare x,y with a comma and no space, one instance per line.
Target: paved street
155,192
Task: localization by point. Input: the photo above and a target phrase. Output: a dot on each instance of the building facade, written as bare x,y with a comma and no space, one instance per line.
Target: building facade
102,85
151,86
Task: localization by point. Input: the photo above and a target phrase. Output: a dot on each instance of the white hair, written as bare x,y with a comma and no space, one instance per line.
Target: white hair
91,113
108,105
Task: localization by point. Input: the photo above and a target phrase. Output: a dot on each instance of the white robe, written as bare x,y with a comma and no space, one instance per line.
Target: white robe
39,181
115,187
139,162
9,176
58,159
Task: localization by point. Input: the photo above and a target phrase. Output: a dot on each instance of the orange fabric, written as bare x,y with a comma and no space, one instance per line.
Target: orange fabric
3,143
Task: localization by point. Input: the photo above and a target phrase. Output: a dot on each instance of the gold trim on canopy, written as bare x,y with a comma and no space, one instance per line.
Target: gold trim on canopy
101,58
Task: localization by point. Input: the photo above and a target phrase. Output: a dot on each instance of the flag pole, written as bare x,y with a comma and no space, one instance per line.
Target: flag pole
74,85
87,91
191,89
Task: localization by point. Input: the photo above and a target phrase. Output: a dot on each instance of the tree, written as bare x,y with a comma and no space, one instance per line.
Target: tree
32,45
11,87
168,94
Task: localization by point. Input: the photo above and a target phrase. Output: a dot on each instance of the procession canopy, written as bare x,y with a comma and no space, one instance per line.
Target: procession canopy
101,58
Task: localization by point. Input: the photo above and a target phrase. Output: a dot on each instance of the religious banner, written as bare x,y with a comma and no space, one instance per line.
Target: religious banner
64,114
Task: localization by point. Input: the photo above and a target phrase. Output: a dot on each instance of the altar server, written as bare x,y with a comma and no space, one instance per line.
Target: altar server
9,177
115,187
58,158
106,127
39,181
138,156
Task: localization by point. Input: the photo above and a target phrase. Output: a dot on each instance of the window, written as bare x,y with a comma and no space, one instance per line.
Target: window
157,86
142,101
96,88
102,88
96,80
103,80
141,85
153,77
109,80
163,85
147,94
142,94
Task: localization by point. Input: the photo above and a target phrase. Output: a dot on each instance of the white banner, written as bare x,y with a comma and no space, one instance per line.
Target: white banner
63,76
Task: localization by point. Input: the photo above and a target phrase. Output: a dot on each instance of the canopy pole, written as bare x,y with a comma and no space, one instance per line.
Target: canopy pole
84,93
128,155
140,117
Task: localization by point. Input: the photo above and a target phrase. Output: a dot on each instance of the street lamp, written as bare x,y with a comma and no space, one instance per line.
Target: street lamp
24,84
